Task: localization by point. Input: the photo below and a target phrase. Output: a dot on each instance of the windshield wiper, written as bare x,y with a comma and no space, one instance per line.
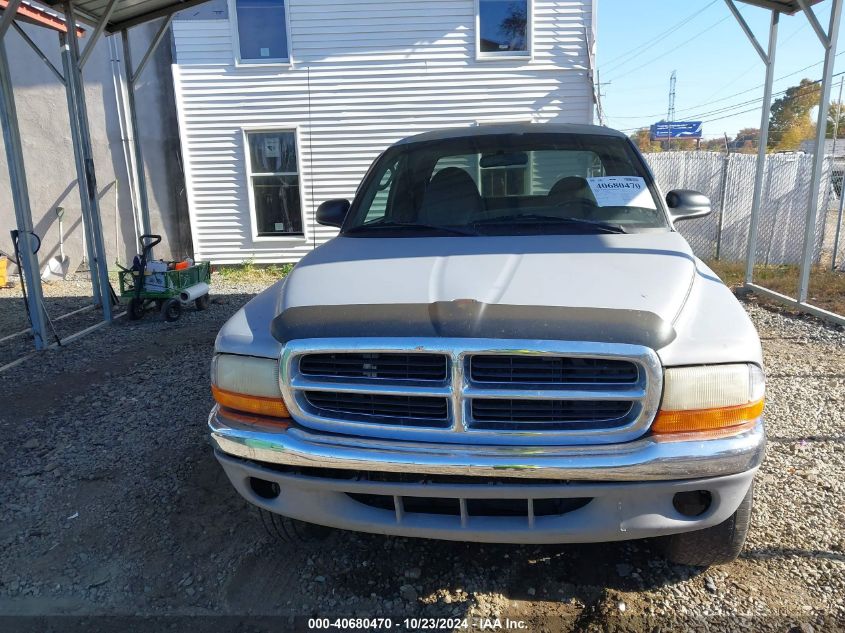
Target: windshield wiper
407,225
607,227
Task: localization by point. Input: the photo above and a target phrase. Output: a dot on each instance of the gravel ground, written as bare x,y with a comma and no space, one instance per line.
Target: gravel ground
112,503
60,300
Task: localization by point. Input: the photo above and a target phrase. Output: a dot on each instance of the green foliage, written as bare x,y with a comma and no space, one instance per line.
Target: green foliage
642,139
790,123
248,271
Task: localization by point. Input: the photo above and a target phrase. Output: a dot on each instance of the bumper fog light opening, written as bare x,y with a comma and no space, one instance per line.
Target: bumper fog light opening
692,503
265,489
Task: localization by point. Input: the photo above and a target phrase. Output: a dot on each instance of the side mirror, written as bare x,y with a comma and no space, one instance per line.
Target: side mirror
332,212
685,204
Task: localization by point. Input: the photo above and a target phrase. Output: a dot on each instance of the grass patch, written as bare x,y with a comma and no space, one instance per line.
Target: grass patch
253,273
827,287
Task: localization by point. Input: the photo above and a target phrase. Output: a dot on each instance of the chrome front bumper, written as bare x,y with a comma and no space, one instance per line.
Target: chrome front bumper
645,459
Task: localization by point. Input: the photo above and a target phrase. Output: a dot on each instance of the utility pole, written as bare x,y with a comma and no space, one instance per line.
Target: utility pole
599,95
670,117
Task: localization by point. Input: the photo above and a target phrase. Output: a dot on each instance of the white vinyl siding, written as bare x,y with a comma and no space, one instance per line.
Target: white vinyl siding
363,75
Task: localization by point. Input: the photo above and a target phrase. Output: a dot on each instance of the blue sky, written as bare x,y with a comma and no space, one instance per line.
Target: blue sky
640,43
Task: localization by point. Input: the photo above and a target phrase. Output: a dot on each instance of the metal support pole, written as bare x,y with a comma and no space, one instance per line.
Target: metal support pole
20,198
73,115
8,16
140,175
98,31
829,42
841,176
35,48
157,38
723,194
757,199
838,224
88,180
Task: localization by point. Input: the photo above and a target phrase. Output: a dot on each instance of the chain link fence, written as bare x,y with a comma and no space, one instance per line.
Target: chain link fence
728,179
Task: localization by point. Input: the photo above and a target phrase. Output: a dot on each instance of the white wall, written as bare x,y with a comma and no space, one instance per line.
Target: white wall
363,75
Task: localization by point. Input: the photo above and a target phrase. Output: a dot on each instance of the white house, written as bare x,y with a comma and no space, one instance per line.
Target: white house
285,103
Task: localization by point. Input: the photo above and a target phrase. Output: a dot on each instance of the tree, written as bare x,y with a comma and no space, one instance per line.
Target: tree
514,26
790,123
835,111
642,139
746,140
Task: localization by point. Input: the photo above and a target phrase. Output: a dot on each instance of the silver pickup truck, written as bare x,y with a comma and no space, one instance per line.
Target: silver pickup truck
508,341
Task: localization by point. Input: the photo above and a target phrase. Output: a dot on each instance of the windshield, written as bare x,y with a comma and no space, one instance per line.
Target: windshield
507,184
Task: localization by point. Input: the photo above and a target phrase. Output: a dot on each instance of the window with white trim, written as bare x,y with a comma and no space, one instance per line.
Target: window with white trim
274,179
262,30
504,28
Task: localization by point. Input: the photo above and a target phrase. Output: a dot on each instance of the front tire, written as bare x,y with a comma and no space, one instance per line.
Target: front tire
716,545
290,530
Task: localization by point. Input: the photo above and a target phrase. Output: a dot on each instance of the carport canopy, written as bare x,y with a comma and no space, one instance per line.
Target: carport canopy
789,7
105,16
119,15
828,38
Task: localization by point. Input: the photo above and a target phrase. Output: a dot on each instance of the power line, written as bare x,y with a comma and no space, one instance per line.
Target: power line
802,26
655,39
736,94
729,111
674,48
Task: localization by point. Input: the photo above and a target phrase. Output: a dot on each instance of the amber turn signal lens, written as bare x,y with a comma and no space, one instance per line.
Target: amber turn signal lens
706,419
273,407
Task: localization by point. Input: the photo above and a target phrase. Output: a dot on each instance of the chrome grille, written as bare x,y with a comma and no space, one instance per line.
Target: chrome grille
496,413
407,409
380,366
559,370
480,391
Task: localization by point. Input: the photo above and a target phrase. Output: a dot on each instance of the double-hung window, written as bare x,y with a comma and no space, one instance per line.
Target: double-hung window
274,180
504,28
262,31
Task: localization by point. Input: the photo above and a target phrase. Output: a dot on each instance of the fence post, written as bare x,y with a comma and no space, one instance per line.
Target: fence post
723,194
838,219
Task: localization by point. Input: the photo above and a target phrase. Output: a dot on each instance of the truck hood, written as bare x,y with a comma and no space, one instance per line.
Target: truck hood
650,272
644,276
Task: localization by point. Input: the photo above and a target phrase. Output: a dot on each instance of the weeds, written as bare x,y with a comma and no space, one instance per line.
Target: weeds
827,287
249,271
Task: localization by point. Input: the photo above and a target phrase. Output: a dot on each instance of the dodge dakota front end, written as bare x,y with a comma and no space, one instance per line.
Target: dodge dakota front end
508,341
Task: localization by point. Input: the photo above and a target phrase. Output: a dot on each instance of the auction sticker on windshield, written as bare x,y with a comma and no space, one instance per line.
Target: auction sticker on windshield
621,191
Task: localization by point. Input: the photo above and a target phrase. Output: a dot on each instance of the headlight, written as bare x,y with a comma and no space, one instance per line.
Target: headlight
247,383
710,398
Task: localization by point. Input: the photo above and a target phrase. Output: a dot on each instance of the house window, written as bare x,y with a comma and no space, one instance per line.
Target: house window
499,182
504,27
274,178
262,30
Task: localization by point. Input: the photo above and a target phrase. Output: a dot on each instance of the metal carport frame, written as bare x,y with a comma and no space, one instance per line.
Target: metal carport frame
828,39
106,16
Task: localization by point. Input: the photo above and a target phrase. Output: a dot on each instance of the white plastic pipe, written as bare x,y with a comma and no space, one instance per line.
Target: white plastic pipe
194,292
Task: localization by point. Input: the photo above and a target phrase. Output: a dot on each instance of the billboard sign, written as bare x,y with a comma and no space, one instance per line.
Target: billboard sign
664,130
